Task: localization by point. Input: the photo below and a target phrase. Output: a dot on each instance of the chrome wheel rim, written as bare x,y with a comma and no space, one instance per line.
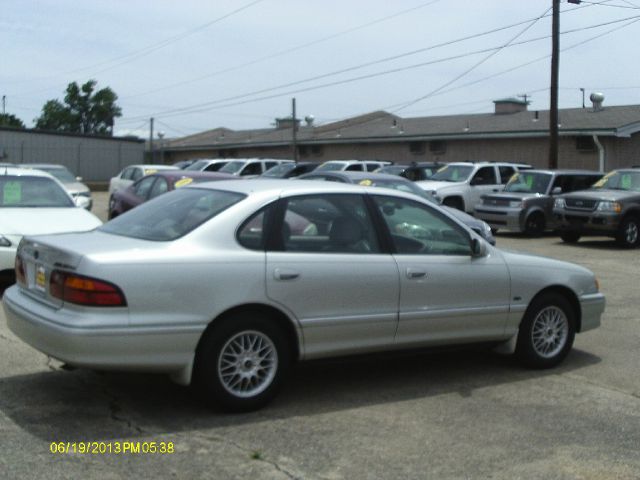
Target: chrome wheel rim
550,331
631,233
247,364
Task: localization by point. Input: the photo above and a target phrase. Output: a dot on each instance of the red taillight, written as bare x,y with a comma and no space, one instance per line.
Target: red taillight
21,277
73,288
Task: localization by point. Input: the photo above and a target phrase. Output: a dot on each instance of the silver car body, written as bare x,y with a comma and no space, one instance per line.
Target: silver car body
333,303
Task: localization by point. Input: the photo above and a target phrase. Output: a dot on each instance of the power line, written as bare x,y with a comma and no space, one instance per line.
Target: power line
286,51
216,103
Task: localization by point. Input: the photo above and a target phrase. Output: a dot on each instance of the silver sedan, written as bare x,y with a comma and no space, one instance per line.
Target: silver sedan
226,286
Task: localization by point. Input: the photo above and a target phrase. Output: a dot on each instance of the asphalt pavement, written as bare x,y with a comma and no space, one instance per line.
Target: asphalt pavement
454,415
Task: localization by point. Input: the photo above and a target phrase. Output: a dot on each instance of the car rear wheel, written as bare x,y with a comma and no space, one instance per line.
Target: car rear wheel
629,233
535,224
241,363
547,331
569,237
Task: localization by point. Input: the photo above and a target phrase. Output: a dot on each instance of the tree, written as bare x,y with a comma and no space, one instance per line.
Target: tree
9,120
84,111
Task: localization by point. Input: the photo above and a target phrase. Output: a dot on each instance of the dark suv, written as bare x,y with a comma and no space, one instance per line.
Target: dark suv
610,208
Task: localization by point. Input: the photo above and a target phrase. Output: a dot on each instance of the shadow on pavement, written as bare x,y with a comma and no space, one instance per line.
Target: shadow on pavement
82,405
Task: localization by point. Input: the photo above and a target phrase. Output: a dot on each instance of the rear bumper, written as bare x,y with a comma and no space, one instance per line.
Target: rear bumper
155,349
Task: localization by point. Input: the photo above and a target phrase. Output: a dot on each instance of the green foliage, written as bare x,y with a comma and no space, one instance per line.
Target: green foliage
9,120
84,111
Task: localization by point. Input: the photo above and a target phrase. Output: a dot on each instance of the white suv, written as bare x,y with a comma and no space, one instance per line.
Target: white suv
351,166
251,167
462,184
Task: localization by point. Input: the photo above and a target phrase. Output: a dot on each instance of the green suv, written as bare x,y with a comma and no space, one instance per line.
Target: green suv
611,207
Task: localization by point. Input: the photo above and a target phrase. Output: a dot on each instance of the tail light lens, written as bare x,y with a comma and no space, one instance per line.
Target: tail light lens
21,277
87,291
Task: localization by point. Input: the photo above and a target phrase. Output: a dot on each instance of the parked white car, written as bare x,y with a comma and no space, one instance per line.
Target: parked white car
78,190
251,167
208,164
461,185
226,284
130,174
32,202
351,166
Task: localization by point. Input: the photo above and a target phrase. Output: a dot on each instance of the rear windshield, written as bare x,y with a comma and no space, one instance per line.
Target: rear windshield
279,170
29,192
528,182
62,174
330,167
172,215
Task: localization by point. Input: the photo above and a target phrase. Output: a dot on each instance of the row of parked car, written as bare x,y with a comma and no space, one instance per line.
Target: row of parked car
504,196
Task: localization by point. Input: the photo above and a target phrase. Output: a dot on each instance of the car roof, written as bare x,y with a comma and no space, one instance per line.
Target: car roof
25,172
278,187
177,174
43,165
355,176
565,171
152,165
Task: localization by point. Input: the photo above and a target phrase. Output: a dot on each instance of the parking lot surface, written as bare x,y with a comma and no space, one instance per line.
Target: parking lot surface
468,414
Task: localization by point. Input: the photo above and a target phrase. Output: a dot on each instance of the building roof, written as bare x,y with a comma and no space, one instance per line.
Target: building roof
381,126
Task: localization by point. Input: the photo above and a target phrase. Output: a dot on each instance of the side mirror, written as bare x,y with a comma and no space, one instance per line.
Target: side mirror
556,191
82,202
79,179
477,248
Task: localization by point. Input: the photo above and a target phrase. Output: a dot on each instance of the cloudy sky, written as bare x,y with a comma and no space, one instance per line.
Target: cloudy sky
194,65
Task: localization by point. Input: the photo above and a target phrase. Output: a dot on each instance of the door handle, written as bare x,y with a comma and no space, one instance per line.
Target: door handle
283,274
415,273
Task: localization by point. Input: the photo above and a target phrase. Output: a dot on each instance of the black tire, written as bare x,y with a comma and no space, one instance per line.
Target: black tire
546,332
629,233
228,372
454,202
494,230
535,224
570,237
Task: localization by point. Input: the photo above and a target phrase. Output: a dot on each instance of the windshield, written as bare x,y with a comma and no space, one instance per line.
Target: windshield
172,215
29,192
528,182
279,170
330,167
197,165
232,167
619,180
392,169
62,174
453,173
402,186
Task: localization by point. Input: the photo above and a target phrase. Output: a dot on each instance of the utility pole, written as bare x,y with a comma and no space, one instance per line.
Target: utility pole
151,141
555,64
4,103
295,129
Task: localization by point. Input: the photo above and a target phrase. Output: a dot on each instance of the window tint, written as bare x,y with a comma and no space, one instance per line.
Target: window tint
328,223
252,233
143,187
485,176
506,173
169,217
268,165
161,186
252,169
214,167
137,174
25,191
418,229
127,173
372,166
356,167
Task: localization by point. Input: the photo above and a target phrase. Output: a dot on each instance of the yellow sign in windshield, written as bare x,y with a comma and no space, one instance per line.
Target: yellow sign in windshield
183,182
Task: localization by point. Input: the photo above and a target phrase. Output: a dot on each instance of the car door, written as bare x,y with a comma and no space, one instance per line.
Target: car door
446,294
483,182
326,267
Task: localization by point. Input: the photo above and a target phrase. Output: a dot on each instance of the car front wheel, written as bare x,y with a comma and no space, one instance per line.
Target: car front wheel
547,331
569,237
629,233
241,363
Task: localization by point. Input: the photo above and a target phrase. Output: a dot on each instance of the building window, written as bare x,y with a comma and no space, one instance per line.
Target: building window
303,151
417,148
317,150
438,147
585,144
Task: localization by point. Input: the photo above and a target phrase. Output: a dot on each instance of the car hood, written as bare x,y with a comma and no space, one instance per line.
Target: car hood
512,196
602,194
75,187
433,185
38,221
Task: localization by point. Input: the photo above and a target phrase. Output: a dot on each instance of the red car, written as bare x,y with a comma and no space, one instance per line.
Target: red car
151,186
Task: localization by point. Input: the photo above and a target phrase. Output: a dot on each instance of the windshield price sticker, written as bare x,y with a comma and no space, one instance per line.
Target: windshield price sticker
12,193
183,182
